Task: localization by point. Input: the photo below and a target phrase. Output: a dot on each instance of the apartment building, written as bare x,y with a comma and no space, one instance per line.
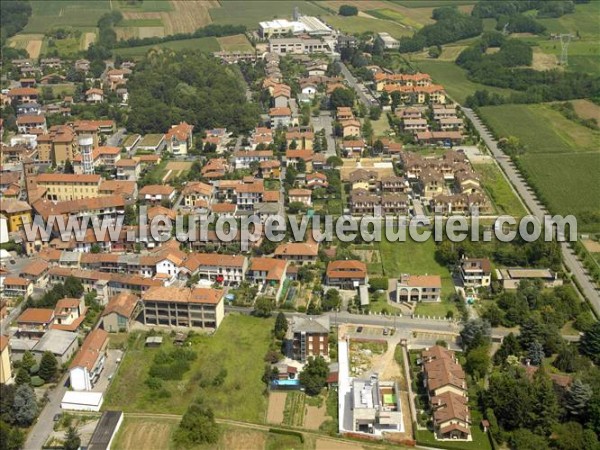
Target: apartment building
183,307
226,269
66,187
346,274
87,365
475,272
308,336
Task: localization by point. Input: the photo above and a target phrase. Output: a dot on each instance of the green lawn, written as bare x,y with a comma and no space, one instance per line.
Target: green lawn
249,13
454,79
416,258
505,200
395,16
562,157
145,6
206,44
431,3
238,346
480,439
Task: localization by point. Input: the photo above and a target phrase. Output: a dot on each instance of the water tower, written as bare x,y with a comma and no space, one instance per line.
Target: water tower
86,148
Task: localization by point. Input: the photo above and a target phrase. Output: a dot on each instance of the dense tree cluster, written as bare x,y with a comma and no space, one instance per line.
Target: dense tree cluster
451,25
197,426
348,10
13,18
168,88
545,8
314,375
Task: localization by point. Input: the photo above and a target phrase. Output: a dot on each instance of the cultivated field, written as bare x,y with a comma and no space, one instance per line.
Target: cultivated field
236,43
249,13
454,79
48,14
207,44
587,110
149,434
357,24
30,42
562,157
238,347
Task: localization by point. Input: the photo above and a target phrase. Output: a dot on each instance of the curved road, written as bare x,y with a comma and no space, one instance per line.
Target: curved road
571,262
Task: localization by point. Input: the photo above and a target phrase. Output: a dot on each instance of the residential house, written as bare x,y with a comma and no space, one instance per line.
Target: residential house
17,287
418,288
226,269
299,252
302,137
243,159
475,272
23,95
375,406
196,191
352,148
31,124
94,95
155,194
69,314
34,322
512,277
87,365
316,180
179,139
293,157
350,128
120,312
5,361
16,212
300,196
280,117
346,274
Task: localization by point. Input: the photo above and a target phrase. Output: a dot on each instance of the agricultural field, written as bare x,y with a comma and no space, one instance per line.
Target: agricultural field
150,434
504,199
587,109
556,149
236,43
249,13
49,14
33,43
357,24
454,79
238,347
207,44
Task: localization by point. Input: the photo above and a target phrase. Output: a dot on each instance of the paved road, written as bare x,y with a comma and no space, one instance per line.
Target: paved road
115,139
325,121
537,209
365,97
45,422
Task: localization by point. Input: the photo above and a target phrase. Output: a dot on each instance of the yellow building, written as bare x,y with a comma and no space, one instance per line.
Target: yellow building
5,367
58,145
64,186
16,212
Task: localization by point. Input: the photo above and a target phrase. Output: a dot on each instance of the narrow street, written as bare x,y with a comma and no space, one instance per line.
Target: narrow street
325,121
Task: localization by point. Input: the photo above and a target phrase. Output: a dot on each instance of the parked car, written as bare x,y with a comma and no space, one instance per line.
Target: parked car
359,329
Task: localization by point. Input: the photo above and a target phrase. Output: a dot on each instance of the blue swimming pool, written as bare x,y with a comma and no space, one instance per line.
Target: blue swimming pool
286,382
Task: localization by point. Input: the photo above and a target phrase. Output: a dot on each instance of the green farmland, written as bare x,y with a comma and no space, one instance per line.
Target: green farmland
237,12
50,14
207,44
358,25
562,158
238,347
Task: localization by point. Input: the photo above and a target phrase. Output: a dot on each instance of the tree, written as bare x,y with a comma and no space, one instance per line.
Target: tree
577,398
281,326
378,284
331,300
72,439
535,353
314,375
263,307
130,217
348,10
22,376
335,161
590,343
28,360
526,440
342,97
434,51
572,436
197,427
475,333
48,367
69,167
478,361
545,408
26,408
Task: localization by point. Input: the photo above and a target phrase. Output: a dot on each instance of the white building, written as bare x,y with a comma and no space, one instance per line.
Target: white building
82,401
89,362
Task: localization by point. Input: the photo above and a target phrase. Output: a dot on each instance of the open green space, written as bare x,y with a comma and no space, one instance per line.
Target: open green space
583,21
358,25
431,3
454,79
505,200
395,16
206,44
562,157
238,347
415,258
249,13
48,14
541,129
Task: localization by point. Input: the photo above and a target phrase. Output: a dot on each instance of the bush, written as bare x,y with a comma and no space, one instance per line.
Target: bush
376,284
37,381
348,10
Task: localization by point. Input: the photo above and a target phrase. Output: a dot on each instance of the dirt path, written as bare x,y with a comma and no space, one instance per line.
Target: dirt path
276,407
